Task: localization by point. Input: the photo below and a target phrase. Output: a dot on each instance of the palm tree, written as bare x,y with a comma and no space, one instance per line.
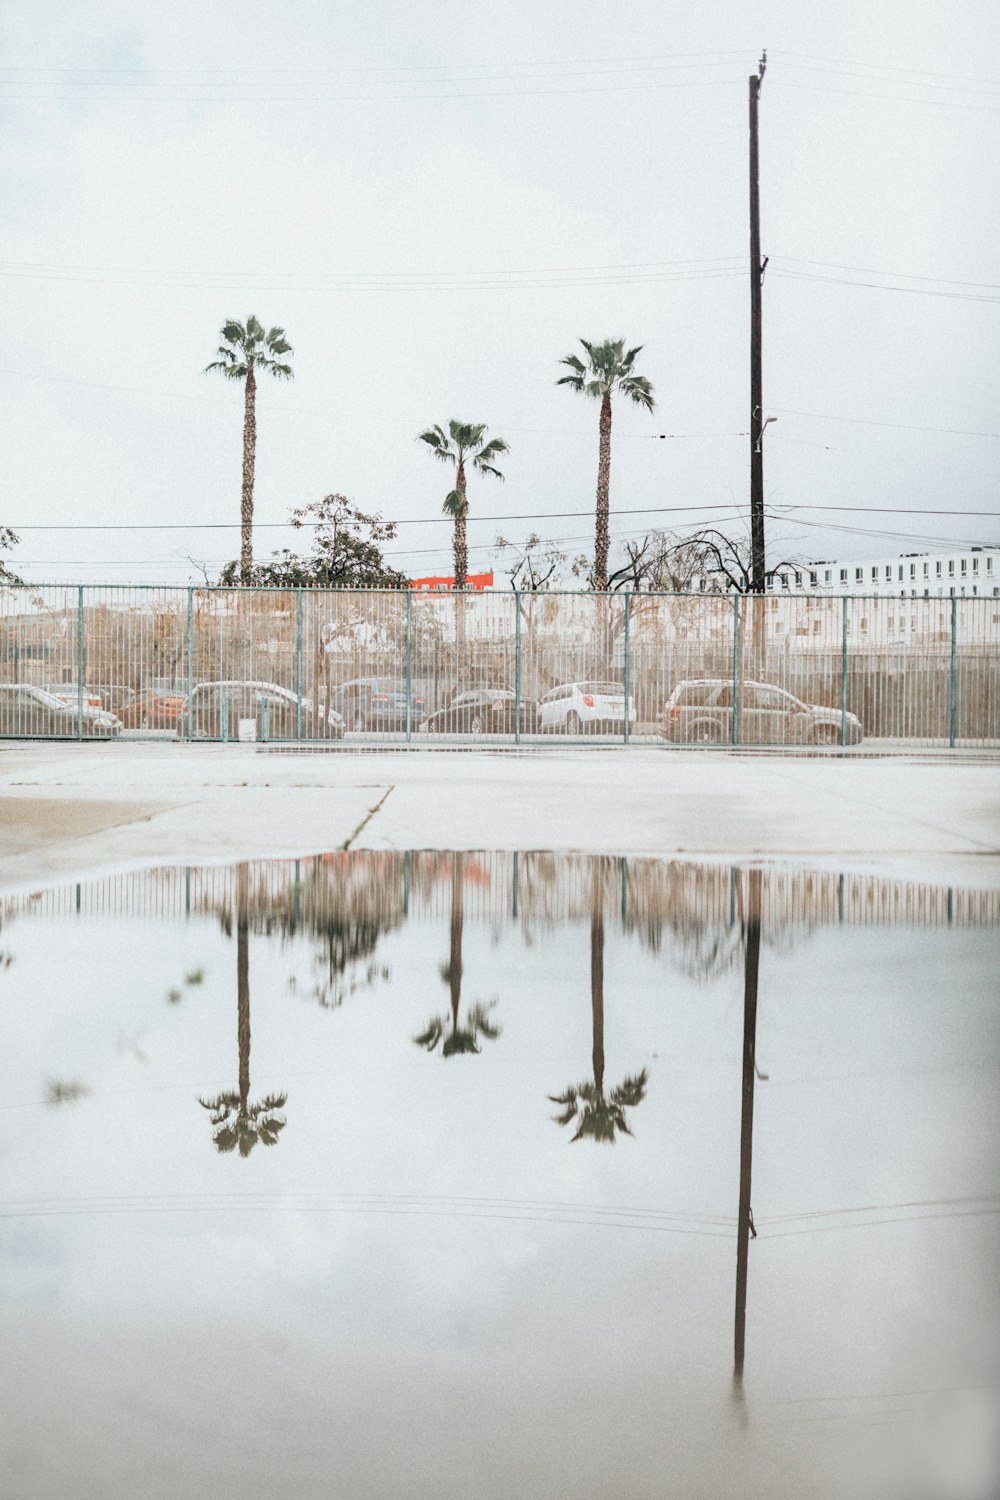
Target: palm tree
478,1024
607,371
236,1122
599,1114
463,443
245,350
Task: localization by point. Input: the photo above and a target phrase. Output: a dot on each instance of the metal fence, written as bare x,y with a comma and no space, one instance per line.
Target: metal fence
298,666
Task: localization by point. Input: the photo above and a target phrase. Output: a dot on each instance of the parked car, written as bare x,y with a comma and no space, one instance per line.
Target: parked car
376,703
576,707
701,710
69,693
152,710
114,697
33,712
217,710
487,710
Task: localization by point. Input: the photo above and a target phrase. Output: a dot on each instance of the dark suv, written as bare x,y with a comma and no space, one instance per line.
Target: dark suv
376,703
256,711
700,710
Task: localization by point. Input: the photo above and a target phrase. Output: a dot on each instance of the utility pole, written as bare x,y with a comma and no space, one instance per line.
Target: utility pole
744,1223
756,379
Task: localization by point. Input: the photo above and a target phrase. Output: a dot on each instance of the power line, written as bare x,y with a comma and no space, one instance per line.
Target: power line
876,271
885,286
539,515
826,416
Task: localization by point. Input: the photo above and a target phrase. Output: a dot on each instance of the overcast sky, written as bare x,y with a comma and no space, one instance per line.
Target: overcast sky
435,201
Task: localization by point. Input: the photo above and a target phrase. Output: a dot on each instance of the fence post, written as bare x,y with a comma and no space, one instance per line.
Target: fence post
265,721
628,618
952,683
409,665
79,663
224,720
843,674
736,669
190,661
298,673
517,667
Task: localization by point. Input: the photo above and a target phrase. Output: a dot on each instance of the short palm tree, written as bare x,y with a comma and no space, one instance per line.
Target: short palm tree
463,443
608,371
238,1124
247,349
477,1023
599,1115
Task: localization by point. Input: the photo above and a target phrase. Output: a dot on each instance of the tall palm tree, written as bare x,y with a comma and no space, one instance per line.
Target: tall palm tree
608,371
463,443
477,1024
237,1123
246,349
597,1114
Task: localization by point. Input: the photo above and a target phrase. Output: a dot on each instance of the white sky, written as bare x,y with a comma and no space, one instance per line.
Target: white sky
383,179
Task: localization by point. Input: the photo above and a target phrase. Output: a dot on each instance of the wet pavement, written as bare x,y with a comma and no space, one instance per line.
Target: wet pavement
438,1174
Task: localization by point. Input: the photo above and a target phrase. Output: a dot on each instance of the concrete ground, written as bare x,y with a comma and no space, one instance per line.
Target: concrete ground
82,808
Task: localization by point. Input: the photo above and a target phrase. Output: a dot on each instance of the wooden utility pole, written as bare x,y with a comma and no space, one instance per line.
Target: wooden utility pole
756,378
744,1222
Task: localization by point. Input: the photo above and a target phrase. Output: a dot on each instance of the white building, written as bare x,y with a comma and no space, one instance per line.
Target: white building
972,573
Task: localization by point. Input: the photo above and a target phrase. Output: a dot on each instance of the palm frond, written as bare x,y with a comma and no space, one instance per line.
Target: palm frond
639,390
455,504
492,449
488,469
576,381
575,362
433,1033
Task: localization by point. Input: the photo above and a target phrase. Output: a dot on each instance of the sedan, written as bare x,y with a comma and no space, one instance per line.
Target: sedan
482,711
595,707
151,710
254,711
32,713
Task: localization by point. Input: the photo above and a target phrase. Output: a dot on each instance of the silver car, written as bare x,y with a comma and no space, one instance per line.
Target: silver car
700,710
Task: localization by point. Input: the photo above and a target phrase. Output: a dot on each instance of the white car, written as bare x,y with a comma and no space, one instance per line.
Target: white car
579,707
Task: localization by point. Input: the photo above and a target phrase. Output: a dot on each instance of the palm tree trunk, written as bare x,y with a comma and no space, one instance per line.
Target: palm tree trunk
246,499
461,549
243,985
457,923
597,978
603,498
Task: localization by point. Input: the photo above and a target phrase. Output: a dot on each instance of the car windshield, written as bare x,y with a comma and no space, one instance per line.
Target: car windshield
605,689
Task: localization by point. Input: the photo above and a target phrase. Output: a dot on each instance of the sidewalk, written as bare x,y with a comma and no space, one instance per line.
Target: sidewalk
74,809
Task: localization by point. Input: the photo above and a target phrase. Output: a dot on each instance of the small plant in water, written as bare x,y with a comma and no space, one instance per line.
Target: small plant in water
196,976
64,1091
174,997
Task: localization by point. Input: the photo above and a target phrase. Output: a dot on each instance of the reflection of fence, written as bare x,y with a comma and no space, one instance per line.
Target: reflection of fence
919,670
377,891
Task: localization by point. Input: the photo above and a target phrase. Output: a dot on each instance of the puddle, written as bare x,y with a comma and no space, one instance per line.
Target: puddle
406,1175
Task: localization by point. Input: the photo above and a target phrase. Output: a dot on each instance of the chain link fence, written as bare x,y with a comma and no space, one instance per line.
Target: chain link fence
310,665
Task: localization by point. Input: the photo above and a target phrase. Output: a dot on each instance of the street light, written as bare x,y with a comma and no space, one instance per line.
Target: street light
766,423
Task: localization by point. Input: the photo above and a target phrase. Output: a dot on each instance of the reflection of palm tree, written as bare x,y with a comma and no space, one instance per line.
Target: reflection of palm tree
238,1124
477,1024
599,1114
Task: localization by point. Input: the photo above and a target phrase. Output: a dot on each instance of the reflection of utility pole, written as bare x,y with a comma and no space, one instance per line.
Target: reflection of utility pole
744,1229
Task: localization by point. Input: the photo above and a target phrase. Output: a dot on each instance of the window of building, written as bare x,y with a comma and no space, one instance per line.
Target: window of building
975,565
951,591
858,575
963,566
975,589
812,579
874,575
784,580
900,572
888,573
798,580
989,565
827,575
927,593
843,575
937,568
951,567
926,569
913,570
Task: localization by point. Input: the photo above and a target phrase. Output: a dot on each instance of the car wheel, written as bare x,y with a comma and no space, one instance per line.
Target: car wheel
705,733
573,725
358,723
476,724
826,734
144,722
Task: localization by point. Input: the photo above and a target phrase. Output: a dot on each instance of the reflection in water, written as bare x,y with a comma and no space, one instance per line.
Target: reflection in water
599,1116
744,1221
465,1038
428,1251
238,1124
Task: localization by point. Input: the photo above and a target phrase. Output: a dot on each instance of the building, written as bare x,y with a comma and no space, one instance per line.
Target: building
443,585
971,573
